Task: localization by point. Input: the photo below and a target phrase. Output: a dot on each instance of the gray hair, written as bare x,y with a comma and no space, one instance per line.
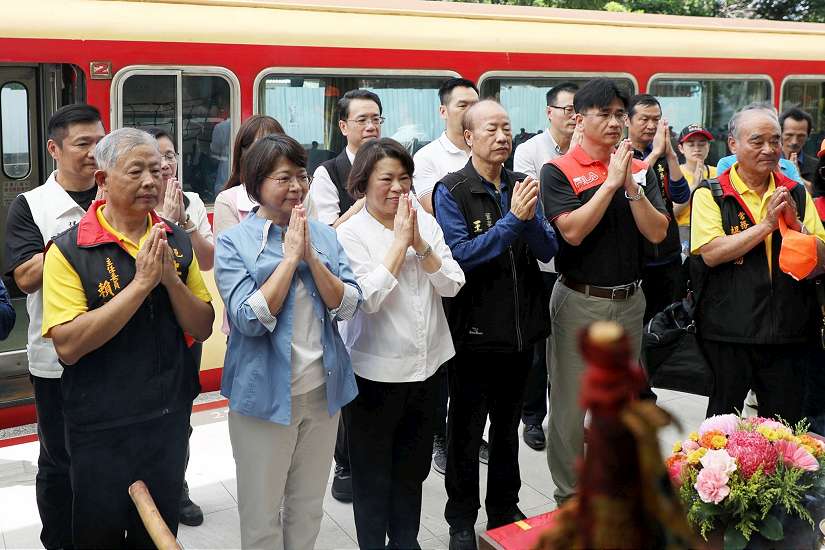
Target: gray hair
736,119
115,145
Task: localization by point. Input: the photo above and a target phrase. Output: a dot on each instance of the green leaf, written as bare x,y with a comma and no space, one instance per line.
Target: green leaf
771,528
734,540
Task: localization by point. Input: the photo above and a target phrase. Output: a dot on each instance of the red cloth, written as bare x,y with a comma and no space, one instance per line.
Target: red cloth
521,535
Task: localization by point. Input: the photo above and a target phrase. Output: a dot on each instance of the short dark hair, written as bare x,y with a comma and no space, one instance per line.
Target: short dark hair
368,156
263,157
795,113
599,93
645,100
78,113
553,93
346,99
252,128
158,133
446,89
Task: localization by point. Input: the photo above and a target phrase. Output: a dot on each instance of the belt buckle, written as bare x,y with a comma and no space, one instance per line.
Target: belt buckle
615,290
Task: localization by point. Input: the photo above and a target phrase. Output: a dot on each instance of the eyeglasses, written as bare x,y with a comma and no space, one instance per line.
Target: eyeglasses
568,110
170,157
283,182
364,121
621,116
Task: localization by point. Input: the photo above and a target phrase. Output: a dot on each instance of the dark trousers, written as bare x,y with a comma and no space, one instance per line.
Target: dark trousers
537,391
197,351
481,384
441,399
53,487
389,427
341,448
776,373
814,402
106,462
663,285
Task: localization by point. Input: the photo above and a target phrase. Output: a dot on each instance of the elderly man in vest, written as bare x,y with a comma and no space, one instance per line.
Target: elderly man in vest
755,322
120,290
496,230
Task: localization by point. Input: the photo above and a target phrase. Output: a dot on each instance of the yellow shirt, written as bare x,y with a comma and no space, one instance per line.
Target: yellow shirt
706,218
683,218
63,294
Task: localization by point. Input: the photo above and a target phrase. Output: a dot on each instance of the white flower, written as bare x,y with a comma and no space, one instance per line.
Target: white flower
720,461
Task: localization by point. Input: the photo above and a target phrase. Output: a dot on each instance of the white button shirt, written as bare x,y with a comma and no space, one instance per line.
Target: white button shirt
434,161
324,195
400,332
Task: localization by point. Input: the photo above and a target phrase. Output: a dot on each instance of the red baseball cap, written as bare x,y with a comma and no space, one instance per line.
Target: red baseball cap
694,129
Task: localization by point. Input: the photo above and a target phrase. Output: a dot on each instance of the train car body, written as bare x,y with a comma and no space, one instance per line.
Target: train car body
199,67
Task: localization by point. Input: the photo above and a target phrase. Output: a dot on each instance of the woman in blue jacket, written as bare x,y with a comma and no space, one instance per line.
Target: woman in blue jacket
285,281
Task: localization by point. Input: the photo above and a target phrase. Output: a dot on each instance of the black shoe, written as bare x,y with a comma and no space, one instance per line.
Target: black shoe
190,513
464,539
534,436
439,454
484,452
504,519
342,485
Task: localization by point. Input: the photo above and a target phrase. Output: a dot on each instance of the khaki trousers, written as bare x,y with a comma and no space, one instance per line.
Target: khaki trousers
275,463
570,311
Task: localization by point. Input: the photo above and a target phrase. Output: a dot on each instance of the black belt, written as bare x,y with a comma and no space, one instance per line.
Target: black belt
622,292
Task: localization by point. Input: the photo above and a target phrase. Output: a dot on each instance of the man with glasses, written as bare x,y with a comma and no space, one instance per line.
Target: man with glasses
649,134
359,119
33,219
605,204
529,158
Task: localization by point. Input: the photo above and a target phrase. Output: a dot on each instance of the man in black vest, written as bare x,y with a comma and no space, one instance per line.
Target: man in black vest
359,119
120,289
755,322
496,230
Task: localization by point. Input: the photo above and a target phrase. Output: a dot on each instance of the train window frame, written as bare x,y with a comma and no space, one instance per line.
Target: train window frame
537,75
28,137
803,77
714,76
179,71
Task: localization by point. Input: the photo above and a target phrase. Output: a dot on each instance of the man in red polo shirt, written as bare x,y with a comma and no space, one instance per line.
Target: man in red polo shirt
605,205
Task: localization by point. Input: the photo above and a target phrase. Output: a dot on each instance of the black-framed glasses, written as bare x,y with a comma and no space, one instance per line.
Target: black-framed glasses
568,110
363,120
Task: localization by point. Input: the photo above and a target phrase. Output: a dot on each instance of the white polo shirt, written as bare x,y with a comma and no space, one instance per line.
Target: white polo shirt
434,161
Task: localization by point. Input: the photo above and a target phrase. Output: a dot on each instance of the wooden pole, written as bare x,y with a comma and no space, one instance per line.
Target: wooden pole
152,520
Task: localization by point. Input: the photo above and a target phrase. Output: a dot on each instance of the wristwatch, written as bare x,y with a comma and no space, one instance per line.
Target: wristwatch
635,197
426,253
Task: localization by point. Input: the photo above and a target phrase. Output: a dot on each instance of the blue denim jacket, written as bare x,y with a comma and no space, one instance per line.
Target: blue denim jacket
257,372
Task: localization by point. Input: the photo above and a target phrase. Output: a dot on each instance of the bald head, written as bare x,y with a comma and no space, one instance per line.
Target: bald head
480,110
755,139
487,132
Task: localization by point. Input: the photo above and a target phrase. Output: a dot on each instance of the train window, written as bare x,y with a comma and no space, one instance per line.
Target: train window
200,110
807,93
305,105
14,121
525,97
710,102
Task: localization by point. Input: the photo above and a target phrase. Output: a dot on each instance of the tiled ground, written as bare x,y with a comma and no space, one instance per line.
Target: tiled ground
211,479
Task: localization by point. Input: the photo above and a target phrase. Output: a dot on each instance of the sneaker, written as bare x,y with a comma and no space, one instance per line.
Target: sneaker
190,513
464,539
496,521
484,452
439,454
342,485
533,435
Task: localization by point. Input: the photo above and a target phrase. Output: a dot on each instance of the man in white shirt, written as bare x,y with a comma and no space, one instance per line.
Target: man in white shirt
359,119
529,158
448,153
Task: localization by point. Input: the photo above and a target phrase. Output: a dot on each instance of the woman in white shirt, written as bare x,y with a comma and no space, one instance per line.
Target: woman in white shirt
397,341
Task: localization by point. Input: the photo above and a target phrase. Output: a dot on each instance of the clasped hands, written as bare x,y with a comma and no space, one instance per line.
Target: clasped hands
620,169
405,225
155,262
297,242
781,205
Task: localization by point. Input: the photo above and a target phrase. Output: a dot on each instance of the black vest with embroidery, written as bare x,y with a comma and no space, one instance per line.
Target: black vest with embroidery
503,305
671,246
339,169
742,301
146,370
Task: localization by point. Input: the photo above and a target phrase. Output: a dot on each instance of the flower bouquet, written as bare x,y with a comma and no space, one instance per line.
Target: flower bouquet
743,474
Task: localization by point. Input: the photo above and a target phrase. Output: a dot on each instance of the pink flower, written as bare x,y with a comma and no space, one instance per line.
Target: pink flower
725,423
795,456
718,460
772,424
675,465
689,445
751,450
712,485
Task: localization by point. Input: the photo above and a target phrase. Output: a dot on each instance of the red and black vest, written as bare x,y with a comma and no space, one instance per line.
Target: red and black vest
743,301
146,369
503,306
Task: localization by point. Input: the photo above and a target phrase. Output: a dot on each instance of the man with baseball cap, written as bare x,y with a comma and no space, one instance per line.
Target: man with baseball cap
694,144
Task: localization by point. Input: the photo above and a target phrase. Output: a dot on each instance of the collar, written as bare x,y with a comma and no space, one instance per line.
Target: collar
61,199
449,146
581,156
90,232
350,154
733,186
639,167
243,201
478,184
553,144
